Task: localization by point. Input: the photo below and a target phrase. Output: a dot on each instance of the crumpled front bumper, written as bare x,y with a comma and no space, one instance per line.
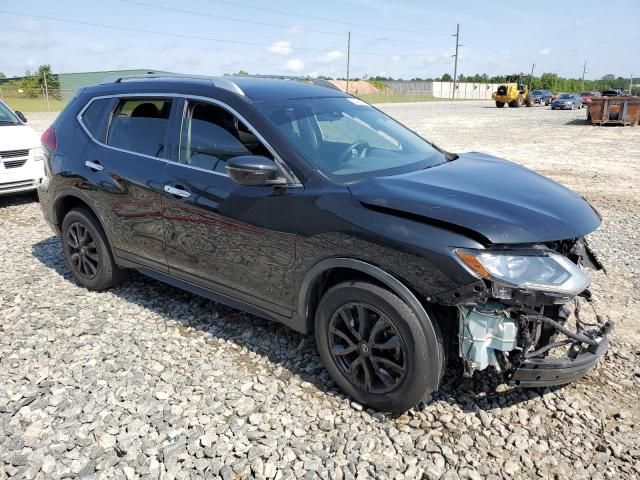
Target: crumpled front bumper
545,372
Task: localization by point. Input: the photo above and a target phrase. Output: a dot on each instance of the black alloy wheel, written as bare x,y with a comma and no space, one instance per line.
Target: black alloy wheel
83,252
87,251
367,348
376,348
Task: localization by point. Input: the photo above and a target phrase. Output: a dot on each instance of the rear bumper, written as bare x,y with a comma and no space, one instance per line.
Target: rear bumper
545,372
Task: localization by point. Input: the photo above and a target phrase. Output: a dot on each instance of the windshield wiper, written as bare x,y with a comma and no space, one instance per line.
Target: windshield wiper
447,155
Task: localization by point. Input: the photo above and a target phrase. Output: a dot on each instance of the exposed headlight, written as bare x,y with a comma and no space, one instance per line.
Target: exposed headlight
37,154
543,270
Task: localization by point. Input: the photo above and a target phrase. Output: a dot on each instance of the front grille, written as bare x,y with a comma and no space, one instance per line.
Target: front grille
14,153
12,185
14,163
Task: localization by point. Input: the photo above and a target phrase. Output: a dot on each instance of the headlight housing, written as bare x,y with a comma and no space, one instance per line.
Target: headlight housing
541,270
37,154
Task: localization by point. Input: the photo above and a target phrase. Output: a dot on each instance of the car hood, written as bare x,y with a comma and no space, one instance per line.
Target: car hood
17,137
497,199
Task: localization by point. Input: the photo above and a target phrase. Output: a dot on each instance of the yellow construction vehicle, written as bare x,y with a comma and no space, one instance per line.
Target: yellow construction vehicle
514,93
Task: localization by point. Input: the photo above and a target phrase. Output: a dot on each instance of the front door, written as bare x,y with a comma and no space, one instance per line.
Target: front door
233,239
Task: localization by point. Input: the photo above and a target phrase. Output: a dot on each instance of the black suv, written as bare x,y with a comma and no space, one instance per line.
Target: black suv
302,204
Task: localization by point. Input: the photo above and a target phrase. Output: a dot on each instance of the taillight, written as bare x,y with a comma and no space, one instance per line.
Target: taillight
48,139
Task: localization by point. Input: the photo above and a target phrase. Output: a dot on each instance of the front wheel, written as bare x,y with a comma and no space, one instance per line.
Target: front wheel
499,104
87,251
375,347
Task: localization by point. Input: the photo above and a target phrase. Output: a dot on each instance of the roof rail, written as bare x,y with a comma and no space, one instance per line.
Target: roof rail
225,82
219,82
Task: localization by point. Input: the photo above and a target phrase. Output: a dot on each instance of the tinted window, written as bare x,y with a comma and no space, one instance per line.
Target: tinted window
211,136
95,117
140,126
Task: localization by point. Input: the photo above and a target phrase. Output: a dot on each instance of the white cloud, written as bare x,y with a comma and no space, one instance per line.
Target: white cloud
331,56
295,30
294,65
281,47
545,51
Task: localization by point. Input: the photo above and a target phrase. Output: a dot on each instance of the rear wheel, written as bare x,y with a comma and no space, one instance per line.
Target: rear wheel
87,251
500,104
375,347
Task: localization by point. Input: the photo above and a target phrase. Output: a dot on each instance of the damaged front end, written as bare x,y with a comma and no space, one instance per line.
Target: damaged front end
524,315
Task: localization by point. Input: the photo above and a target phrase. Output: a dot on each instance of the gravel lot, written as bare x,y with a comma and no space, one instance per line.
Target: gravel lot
148,381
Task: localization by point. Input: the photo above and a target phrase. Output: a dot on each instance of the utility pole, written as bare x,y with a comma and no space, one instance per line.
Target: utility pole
531,76
584,70
631,85
46,89
348,58
455,67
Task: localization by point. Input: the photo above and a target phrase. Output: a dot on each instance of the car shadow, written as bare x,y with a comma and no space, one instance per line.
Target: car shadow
577,121
295,352
17,199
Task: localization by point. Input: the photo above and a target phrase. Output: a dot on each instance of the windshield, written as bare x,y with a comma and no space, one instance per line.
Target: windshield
7,116
586,94
537,92
566,95
347,139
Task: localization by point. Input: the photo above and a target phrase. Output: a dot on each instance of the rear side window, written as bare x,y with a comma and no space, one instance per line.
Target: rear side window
140,126
95,118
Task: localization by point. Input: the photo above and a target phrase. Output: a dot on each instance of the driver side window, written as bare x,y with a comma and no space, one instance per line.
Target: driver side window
211,135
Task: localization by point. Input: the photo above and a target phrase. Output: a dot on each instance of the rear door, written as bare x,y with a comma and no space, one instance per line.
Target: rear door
126,163
236,240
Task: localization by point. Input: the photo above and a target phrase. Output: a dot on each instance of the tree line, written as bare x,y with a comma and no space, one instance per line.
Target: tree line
546,81
33,84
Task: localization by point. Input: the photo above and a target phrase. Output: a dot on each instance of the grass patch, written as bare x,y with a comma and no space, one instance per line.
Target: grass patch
33,104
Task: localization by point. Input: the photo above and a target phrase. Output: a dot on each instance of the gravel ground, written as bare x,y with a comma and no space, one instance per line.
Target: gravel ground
149,381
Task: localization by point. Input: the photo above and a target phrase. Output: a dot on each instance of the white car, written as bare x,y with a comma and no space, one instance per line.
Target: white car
21,157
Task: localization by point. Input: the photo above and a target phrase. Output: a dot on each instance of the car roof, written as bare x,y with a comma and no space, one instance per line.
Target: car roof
256,89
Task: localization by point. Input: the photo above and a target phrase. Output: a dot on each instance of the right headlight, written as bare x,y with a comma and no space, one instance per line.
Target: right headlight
542,270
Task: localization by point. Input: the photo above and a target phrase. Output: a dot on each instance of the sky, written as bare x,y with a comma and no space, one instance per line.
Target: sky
397,38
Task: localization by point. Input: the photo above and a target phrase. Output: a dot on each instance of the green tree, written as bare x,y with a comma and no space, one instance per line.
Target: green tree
446,78
2,76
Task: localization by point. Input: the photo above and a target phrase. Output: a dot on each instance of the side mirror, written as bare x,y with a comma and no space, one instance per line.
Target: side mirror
252,170
21,116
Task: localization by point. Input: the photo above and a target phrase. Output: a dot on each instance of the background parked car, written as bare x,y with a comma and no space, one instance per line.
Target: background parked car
542,96
586,97
567,101
21,158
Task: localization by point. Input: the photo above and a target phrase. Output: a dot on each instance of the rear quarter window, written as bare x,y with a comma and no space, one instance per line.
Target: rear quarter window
95,118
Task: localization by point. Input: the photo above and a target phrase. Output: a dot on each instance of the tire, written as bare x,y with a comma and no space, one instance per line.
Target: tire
500,104
517,103
399,388
90,260
529,101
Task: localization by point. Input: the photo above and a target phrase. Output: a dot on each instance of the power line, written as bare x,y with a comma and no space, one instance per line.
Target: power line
323,19
186,36
265,24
